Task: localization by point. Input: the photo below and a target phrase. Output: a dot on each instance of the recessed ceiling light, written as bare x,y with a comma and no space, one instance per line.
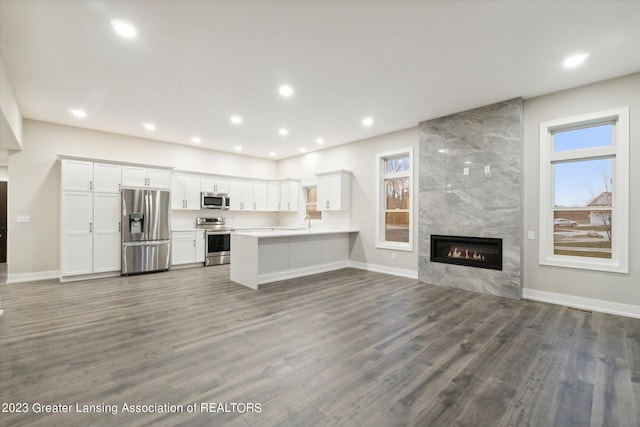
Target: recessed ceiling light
283,131
575,60
236,120
367,121
237,148
303,150
75,112
272,154
319,141
149,126
196,140
442,150
286,90
123,28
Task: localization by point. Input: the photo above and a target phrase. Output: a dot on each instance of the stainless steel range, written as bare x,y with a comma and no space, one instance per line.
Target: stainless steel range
217,240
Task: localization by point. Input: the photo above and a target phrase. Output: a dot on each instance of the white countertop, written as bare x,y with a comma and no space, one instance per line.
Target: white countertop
285,232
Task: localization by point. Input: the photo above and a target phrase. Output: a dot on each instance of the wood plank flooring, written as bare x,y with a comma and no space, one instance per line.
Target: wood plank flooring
346,348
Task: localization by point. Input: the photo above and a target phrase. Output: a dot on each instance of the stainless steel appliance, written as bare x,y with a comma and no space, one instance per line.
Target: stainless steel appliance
217,240
146,231
214,200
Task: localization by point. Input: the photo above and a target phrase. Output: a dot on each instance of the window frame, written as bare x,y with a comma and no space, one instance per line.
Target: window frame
380,198
305,189
619,151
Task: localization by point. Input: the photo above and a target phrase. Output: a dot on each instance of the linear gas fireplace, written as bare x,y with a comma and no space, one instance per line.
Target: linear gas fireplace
481,252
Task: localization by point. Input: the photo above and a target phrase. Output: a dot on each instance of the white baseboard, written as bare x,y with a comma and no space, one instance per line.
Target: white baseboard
602,306
79,277
411,274
32,277
300,272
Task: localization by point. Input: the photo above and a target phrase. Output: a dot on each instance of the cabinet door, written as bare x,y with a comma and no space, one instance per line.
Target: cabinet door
76,246
159,178
248,195
183,248
207,183
323,192
200,246
192,191
106,232
294,195
273,196
222,184
134,176
177,191
106,178
260,195
235,193
77,175
335,192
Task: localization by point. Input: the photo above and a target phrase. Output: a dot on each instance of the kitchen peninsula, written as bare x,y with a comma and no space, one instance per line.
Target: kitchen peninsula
264,256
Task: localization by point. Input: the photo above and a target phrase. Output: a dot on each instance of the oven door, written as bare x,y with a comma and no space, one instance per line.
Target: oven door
218,248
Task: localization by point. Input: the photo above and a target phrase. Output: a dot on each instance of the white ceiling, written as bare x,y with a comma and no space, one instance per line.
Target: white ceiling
195,63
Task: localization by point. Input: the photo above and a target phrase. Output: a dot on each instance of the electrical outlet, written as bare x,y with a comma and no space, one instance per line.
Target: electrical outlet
531,235
465,171
23,218
487,169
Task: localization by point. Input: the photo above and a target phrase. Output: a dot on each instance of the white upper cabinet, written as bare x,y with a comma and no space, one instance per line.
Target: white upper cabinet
185,191
334,191
138,176
289,195
260,196
214,184
273,196
77,175
247,195
107,177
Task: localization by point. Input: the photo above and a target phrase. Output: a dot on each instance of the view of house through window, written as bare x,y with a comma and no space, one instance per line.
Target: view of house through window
583,194
311,209
396,201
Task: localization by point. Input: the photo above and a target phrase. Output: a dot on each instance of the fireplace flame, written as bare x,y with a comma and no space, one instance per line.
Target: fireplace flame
455,253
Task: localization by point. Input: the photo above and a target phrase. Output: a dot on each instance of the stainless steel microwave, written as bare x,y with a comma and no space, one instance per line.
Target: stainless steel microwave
214,200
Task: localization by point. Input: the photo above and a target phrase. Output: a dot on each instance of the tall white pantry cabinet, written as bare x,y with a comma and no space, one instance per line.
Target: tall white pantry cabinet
90,217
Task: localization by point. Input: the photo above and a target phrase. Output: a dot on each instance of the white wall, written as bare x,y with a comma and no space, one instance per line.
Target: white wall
360,158
34,173
4,173
11,120
609,291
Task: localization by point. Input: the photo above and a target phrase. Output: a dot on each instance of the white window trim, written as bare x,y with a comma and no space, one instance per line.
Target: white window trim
380,243
304,187
619,262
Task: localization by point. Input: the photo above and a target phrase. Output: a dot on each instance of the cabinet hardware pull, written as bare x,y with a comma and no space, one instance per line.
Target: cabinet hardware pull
119,225
90,227
254,206
288,206
90,185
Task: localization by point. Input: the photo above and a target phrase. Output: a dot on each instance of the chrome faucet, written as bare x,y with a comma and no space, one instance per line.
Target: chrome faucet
308,218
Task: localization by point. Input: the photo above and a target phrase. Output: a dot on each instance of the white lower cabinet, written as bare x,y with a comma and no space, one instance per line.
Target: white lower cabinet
187,247
90,233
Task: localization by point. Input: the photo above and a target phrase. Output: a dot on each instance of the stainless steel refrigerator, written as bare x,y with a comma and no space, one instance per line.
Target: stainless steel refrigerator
146,231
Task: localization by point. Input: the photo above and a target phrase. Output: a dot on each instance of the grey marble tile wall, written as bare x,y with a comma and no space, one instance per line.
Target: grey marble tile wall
478,204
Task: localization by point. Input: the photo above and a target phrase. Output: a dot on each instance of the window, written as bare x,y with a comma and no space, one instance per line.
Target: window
311,203
584,191
395,187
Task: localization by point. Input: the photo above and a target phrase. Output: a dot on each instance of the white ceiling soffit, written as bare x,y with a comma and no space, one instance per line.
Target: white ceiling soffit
193,64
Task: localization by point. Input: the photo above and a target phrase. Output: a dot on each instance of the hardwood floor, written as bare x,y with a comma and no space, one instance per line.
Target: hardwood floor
347,348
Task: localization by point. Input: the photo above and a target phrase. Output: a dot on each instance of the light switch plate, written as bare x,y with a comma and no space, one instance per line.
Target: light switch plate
23,218
465,171
487,169
531,235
